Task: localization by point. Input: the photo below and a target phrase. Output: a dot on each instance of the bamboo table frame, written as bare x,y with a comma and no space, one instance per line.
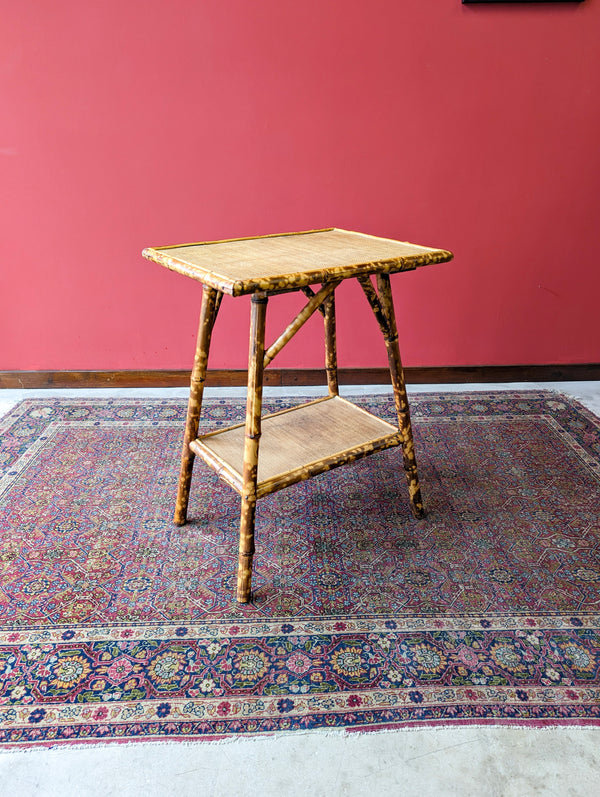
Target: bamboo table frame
314,437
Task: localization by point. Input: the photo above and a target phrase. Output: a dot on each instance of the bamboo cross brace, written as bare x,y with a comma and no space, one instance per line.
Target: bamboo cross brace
373,299
300,320
218,301
308,291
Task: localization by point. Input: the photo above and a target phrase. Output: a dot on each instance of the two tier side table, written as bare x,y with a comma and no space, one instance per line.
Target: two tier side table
268,453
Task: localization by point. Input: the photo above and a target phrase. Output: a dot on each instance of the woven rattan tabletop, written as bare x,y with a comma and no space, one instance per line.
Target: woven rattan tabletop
291,260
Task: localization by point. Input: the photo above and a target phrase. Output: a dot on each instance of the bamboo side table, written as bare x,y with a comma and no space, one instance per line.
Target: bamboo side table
312,438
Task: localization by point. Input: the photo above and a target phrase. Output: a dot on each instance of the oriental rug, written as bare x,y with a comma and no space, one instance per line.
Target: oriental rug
117,625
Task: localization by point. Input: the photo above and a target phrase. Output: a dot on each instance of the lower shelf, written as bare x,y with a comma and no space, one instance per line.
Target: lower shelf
298,443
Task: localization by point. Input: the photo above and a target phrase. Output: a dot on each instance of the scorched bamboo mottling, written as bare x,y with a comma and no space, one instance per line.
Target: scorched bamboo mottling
300,442
256,359
400,396
331,346
211,300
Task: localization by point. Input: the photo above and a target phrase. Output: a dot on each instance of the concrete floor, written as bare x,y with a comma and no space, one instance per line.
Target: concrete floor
495,762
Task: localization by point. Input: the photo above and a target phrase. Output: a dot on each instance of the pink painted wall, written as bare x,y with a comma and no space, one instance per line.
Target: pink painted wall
128,124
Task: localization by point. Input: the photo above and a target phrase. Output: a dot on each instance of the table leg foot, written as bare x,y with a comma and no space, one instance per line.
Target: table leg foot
246,553
409,461
244,586
416,502
185,481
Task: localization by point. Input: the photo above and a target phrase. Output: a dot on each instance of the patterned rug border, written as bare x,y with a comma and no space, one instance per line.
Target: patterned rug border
404,701
152,741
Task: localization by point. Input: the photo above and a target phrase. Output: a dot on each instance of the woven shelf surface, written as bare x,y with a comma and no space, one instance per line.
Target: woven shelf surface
291,260
313,434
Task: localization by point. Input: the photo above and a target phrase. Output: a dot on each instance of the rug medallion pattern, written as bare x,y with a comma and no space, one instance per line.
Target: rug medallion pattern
117,625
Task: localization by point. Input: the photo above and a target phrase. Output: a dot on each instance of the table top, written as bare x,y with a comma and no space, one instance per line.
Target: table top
289,261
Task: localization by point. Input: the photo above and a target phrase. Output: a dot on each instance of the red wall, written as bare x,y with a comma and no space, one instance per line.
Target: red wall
127,124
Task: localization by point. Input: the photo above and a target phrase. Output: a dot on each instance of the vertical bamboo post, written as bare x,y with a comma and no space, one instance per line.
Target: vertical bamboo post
211,300
331,346
400,397
256,358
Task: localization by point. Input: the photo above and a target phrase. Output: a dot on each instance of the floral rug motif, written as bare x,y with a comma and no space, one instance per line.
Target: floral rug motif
117,625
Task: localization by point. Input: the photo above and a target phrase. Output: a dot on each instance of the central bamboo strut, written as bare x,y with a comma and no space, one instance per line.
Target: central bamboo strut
300,320
331,346
253,429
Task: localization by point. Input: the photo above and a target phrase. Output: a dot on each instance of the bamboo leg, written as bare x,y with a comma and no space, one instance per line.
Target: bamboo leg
253,427
330,346
211,300
400,397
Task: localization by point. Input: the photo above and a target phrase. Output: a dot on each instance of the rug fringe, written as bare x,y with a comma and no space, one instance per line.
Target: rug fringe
325,733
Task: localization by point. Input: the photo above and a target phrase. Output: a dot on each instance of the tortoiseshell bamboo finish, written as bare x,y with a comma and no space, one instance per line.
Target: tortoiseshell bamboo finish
308,291
330,346
373,298
211,299
256,359
293,261
298,322
400,397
